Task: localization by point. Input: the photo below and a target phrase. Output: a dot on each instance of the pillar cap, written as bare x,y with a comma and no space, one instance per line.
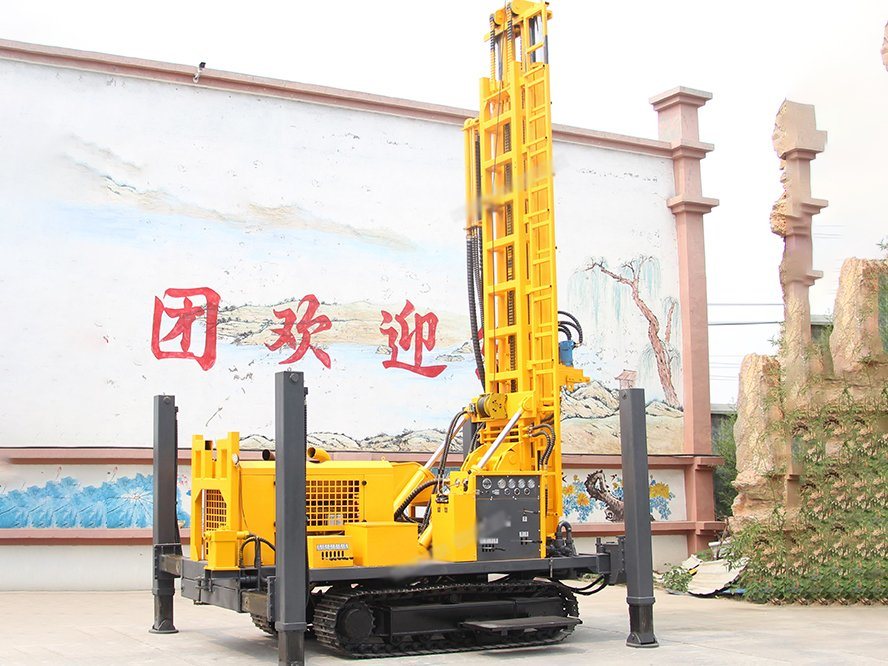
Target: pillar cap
680,95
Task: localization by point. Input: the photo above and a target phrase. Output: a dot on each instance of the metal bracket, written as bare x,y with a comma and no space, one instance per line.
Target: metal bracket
271,599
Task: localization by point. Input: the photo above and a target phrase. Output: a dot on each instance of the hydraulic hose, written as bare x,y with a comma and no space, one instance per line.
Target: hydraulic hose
473,316
448,438
455,423
479,273
595,586
573,323
412,496
547,431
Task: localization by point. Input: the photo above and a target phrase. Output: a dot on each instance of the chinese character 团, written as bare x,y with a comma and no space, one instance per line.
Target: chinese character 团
307,326
185,317
421,336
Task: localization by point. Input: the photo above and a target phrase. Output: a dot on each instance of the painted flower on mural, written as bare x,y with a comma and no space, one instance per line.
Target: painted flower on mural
129,502
660,498
122,503
580,507
183,499
574,510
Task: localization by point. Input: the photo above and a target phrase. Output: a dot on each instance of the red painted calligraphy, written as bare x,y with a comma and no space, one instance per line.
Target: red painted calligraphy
401,336
308,325
185,317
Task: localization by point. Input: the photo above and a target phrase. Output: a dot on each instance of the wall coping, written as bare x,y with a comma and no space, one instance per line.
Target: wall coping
315,94
81,536
142,536
47,455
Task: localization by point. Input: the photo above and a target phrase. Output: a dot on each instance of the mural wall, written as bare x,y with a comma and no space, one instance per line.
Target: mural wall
95,496
84,496
596,495
169,239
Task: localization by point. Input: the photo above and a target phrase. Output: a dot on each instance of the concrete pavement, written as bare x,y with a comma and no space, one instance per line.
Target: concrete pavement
112,628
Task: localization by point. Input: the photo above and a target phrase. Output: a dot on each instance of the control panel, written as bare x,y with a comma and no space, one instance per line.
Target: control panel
507,509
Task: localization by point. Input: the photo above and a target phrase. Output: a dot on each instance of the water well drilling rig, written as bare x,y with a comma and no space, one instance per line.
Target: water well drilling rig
399,557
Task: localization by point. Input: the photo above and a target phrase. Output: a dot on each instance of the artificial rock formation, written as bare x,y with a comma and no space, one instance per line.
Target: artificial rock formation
885,48
760,449
858,340
804,376
797,142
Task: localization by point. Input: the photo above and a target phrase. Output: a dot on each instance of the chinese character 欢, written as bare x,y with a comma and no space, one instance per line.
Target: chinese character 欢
185,317
422,336
307,326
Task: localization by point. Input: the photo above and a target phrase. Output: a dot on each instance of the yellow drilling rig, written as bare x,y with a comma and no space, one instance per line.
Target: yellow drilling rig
395,558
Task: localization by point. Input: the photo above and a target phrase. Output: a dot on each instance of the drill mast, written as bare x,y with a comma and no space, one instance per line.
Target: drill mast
511,238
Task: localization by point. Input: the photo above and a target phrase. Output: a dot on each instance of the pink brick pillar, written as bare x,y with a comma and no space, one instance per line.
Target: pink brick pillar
678,124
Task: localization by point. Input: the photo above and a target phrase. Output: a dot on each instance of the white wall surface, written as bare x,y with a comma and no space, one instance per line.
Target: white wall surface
115,189
84,568
81,568
668,549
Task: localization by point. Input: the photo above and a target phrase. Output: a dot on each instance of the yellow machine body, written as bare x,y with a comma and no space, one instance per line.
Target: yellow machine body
348,504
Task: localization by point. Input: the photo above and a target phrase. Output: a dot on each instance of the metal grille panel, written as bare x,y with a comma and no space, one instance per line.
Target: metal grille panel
332,502
215,510
334,555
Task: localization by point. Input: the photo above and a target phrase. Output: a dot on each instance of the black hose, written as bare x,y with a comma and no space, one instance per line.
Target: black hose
479,273
575,323
476,438
477,236
587,590
547,431
564,329
412,496
442,466
448,438
473,317
250,539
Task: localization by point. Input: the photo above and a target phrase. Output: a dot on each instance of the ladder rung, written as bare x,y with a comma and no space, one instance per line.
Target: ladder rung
504,331
502,375
502,158
502,241
502,288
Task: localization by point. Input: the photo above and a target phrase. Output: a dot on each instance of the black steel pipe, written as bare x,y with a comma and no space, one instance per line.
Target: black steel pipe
165,528
291,579
637,519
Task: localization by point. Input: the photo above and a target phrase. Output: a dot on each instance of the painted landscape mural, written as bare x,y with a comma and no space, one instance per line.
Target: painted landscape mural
124,501
194,242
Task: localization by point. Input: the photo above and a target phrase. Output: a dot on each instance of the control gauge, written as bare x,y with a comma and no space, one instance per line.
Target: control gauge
511,483
521,483
486,483
501,483
531,484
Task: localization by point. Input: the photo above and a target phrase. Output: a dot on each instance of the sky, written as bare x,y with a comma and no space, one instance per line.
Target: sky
607,60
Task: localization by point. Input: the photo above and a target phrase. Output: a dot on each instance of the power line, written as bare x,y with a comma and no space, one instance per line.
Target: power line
744,304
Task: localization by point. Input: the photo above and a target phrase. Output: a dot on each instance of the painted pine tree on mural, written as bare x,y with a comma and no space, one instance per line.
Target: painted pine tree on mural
629,275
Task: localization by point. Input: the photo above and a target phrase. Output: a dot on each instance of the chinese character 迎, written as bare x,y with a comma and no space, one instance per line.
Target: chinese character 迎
421,336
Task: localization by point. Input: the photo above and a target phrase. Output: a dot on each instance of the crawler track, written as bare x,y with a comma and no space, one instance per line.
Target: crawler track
328,614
